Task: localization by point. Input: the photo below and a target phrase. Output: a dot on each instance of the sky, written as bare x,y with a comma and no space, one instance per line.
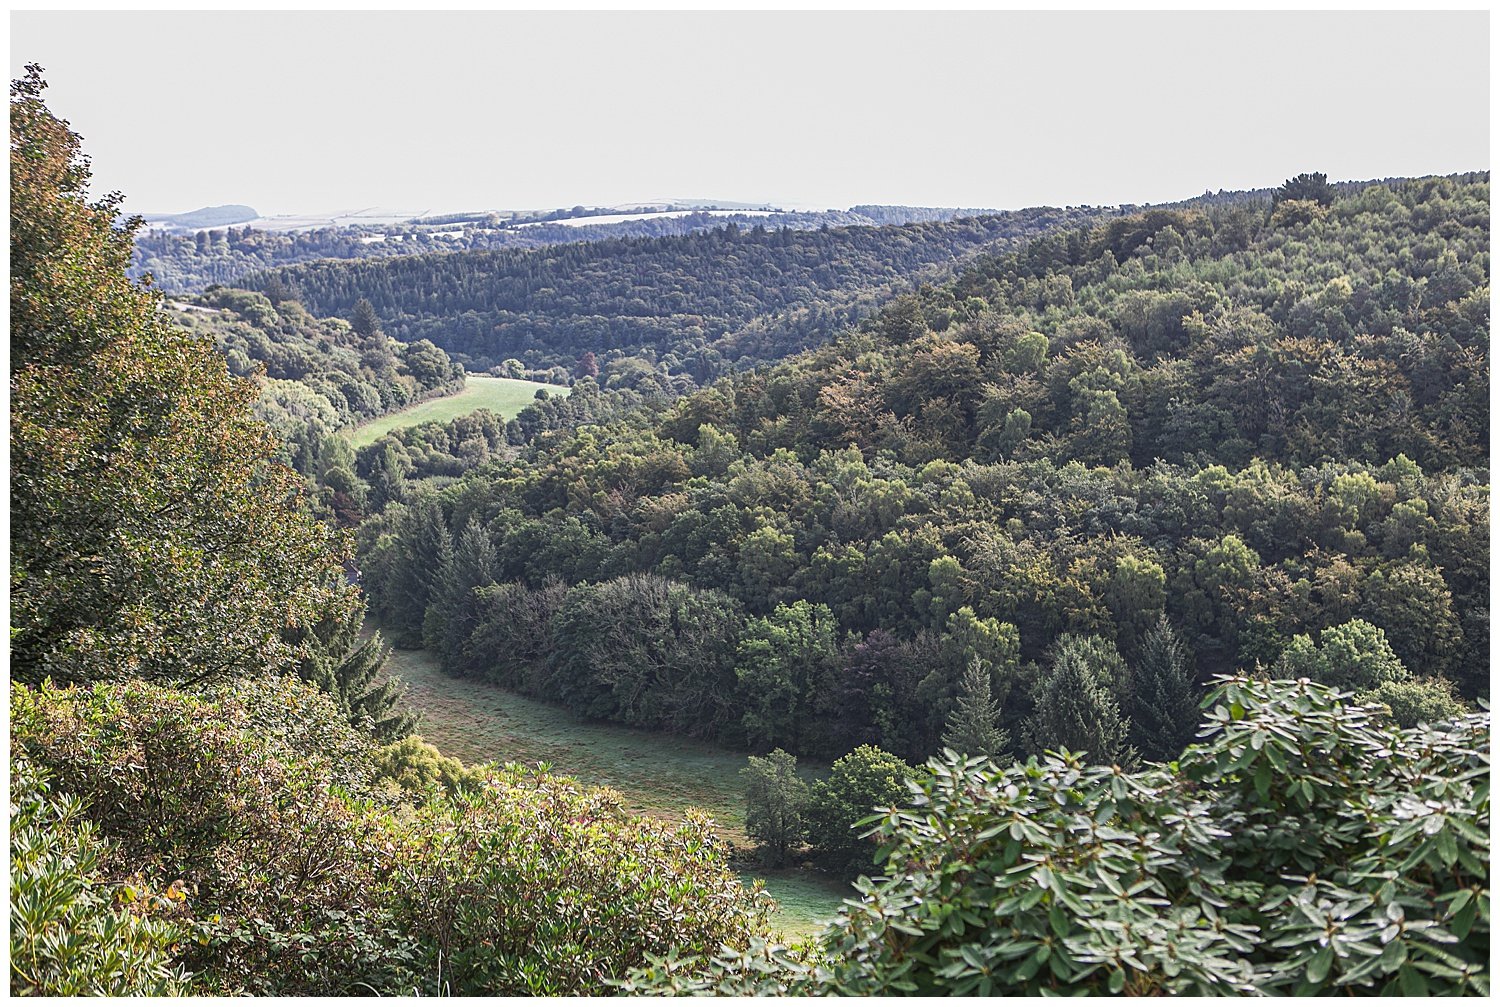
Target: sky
439,112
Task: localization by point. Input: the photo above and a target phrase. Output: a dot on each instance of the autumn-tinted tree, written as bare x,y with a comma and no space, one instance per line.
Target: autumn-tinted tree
152,535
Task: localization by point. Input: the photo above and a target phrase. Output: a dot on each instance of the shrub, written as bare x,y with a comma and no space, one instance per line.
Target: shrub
256,821
865,779
419,770
1299,848
71,932
535,885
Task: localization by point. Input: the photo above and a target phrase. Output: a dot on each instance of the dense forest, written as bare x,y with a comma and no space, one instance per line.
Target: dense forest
1264,429
695,302
1137,576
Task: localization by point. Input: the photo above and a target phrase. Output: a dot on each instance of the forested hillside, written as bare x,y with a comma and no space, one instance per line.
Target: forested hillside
992,547
694,302
1106,467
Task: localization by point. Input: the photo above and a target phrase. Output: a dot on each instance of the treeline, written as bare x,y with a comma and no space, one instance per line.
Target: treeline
317,369
182,263
670,298
1182,414
316,378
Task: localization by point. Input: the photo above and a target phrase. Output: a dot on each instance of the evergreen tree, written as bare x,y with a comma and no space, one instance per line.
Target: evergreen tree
463,567
350,669
973,726
1163,697
1076,703
1309,186
364,320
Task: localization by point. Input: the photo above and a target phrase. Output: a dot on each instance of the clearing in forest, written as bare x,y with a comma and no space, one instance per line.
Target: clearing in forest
658,774
505,396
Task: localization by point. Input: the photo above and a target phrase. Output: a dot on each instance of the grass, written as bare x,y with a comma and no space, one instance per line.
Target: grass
657,774
506,396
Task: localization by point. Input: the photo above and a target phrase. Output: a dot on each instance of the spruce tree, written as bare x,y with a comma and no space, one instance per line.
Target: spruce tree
350,670
364,320
1163,703
463,566
1076,703
973,726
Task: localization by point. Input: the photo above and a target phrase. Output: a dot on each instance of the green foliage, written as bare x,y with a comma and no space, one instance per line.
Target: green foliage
152,535
694,297
972,727
1296,849
865,779
520,888
1077,701
71,932
775,800
1416,701
783,664
1311,187
251,803
349,667
419,769
266,821
1355,655
1163,700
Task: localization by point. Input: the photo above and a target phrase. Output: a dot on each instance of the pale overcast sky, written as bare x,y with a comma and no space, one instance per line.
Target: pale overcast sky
324,112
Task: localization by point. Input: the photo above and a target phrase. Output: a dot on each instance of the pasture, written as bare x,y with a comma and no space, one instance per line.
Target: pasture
505,396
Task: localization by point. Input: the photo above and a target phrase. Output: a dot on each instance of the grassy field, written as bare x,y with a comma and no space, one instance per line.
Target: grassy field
658,774
506,396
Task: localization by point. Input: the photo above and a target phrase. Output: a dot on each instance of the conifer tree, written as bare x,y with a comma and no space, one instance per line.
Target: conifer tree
463,566
973,726
1076,703
350,670
1163,698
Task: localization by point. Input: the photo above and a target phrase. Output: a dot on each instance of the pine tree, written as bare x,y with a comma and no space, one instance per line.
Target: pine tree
1076,703
364,320
1163,703
972,727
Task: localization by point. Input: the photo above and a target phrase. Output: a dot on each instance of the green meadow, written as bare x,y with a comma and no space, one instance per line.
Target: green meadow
505,396
657,774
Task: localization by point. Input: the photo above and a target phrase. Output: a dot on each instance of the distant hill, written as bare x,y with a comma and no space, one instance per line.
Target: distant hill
697,302
206,216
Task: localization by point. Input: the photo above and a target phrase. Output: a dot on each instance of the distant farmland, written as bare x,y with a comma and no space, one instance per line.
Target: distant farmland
506,396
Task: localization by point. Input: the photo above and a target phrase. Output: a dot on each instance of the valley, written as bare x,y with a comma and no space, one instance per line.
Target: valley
657,775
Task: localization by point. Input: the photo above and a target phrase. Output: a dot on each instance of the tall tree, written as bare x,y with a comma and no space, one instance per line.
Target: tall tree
364,320
351,670
1077,707
1163,703
152,535
973,726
